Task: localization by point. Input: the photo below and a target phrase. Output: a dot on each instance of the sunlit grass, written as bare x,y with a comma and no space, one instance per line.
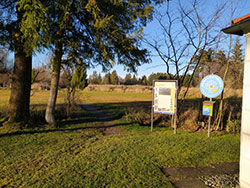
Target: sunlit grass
86,158
113,97
4,98
42,96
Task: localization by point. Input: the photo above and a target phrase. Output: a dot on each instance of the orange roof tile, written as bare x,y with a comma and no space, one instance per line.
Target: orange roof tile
240,19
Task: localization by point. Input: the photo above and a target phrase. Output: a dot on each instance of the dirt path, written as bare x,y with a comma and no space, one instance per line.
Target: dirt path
105,120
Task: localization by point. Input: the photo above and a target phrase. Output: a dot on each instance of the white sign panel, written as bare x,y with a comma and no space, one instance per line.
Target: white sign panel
164,98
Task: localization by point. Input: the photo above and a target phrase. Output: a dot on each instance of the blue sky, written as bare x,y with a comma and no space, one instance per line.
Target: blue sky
152,30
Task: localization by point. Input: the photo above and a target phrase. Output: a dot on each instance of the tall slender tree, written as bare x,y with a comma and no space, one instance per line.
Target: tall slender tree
94,78
236,65
128,79
76,77
114,78
107,78
144,80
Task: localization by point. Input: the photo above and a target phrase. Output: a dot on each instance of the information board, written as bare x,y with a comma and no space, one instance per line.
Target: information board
164,97
211,86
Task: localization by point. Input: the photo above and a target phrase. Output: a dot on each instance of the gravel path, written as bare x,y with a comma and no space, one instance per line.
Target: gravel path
220,175
221,181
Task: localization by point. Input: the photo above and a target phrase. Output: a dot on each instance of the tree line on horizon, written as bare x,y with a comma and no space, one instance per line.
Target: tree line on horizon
129,79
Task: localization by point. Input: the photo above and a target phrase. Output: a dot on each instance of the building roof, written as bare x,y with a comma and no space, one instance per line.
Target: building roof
239,26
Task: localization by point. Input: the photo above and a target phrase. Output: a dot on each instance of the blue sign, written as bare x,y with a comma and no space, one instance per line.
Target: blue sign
207,110
211,86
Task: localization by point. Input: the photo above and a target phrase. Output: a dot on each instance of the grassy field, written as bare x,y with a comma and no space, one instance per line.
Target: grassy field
93,97
38,99
77,154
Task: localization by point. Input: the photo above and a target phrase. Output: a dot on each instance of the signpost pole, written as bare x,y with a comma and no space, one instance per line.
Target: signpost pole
209,123
152,118
176,97
175,124
152,109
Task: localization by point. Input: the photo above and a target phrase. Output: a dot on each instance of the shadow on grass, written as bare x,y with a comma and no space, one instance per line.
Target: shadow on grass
66,123
114,111
59,130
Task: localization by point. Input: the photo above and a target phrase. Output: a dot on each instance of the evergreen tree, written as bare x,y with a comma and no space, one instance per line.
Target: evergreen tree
151,78
94,78
134,80
236,65
107,78
210,62
99,81
114,78
90,80
79,78
144,80
76,78
127,79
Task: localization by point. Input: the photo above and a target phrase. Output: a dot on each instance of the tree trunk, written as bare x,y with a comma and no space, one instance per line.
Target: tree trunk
50,110
18,110
19,102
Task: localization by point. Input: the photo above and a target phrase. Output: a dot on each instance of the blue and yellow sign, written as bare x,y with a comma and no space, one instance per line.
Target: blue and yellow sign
207,111
207,108
211,86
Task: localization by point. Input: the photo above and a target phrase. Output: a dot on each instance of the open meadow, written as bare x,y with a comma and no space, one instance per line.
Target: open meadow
79,154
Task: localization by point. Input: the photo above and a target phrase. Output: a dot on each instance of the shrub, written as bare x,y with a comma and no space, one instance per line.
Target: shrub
142,116
189,119
233,126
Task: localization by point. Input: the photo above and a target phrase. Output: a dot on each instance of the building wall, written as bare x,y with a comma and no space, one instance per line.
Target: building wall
245,126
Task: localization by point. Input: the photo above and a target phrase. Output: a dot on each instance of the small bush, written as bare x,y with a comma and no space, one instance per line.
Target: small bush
189,119
233,126
142,116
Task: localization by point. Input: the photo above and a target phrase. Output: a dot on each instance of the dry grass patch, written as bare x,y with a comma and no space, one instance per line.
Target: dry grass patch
192,93
113,97
4,97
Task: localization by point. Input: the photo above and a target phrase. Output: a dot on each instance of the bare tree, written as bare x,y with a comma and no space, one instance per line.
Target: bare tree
219,119
186,32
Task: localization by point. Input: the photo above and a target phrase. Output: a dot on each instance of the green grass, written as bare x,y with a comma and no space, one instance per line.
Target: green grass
83,157
78,155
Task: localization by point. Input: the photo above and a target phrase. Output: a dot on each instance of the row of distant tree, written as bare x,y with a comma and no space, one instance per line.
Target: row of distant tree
130,79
